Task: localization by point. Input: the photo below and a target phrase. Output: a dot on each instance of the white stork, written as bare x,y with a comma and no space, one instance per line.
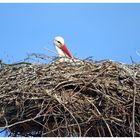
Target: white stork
62,50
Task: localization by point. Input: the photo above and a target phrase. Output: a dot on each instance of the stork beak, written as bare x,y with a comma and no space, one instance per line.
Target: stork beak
65,50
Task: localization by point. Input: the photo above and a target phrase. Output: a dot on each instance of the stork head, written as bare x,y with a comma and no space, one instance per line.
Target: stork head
59,41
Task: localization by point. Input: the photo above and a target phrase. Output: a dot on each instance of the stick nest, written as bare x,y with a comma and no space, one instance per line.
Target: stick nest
62,99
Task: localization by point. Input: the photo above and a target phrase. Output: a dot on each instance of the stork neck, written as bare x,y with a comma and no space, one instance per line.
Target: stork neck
60,52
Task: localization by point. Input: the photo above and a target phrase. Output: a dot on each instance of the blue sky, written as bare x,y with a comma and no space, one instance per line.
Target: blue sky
104,31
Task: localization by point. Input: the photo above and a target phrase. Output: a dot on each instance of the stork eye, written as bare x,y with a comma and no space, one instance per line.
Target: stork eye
59,42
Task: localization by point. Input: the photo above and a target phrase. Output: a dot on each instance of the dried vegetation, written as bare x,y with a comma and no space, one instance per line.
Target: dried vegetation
62,99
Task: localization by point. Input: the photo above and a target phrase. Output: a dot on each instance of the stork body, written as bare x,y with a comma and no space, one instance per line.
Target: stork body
62,50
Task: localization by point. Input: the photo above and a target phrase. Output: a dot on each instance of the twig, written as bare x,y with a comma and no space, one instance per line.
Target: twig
70,114
137,52
102,117
133,114
50,51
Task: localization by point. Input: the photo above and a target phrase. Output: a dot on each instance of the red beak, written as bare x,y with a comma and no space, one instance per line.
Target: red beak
65,50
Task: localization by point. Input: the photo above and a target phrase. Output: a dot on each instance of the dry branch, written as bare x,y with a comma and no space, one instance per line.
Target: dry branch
60,99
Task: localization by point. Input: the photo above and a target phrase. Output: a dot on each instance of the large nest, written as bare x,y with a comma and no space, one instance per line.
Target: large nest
62,99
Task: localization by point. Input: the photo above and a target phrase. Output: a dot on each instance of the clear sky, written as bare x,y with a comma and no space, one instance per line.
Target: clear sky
104,31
